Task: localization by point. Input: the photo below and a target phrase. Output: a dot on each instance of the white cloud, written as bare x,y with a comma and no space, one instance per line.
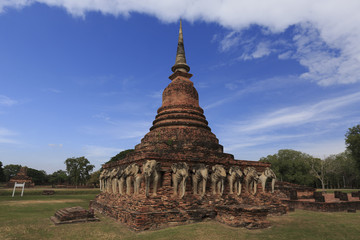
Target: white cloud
334,23
230,40
256,86
6,136
55,145
99,152
52,90
261,50
316,128
6,101
299,115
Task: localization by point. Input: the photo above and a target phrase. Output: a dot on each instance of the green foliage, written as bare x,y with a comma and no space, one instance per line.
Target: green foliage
94,178
342,171
352,140
11,170
292,166
39,177
2,175
58,177
78,170
120,155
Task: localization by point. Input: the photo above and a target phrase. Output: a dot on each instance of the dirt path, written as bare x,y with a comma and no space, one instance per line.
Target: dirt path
26,202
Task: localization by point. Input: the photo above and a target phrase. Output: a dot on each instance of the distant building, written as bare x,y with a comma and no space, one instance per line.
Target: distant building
21,177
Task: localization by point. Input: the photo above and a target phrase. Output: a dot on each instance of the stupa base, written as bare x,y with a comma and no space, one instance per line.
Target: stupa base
140,213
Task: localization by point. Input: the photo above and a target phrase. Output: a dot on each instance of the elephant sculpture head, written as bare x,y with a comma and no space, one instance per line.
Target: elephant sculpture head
268,173
218,176
180,173
151,174
235,177
251,179
200,173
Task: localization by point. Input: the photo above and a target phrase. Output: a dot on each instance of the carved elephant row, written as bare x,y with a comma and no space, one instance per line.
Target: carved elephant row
200,175
111,180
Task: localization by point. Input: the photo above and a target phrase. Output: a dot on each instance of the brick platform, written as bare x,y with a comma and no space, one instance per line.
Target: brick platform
331,204
73,215
140,213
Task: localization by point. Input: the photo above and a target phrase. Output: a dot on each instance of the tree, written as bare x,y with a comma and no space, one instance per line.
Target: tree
291,166
39,177
58,177
319,169
78,170
342,170
2,175
120,155
352,140
94,178
11,170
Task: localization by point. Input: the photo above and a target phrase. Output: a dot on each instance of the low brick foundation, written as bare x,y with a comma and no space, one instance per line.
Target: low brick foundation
140,213
330,204
73,215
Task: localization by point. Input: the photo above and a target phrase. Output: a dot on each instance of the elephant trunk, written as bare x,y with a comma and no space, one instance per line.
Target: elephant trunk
255,187
273,185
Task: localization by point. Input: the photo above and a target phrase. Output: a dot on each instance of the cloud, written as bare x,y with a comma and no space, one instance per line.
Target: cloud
229,41
255,86
6,101
334,24
52,90
99,152
157,94
53,145
6,136
298,115
316,128
261,50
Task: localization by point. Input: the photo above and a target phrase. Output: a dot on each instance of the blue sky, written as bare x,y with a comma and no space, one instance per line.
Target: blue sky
84,78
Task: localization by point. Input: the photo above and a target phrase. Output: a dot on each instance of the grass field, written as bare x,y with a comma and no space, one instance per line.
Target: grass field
28,218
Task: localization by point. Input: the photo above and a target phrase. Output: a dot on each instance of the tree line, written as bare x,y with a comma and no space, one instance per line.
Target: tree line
78,173
335,171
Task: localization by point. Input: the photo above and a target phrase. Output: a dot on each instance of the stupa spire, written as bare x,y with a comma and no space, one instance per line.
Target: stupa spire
180,61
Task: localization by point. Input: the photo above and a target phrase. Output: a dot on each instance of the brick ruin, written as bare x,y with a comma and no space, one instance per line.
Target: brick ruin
21,177
179,172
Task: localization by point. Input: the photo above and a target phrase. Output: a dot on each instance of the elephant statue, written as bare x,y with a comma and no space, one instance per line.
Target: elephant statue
102,179
218,176
151,173
113,179
268,173
179,176
251,179
130,173
109,180
200,173
235,177
137,182
121,178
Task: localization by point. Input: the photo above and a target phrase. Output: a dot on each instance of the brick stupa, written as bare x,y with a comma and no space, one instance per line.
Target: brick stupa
180,134
21,177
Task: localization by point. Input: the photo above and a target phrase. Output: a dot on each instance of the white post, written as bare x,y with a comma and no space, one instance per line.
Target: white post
19,185
14,189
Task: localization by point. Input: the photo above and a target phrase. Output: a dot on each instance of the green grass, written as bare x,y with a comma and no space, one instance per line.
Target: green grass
28,218
39,190
342,190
